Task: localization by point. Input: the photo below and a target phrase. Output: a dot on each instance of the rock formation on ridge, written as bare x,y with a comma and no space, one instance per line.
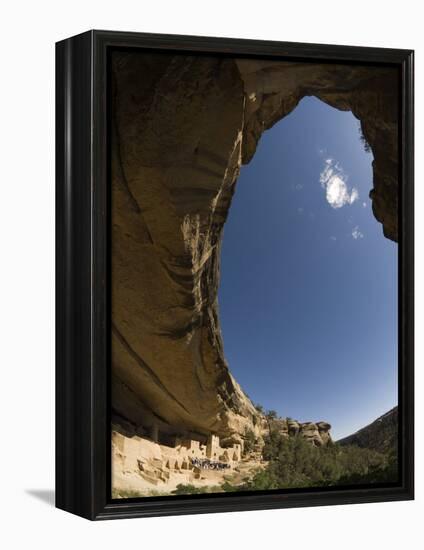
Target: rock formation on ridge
316,433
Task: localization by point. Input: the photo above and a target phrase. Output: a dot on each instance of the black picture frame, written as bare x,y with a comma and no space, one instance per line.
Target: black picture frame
82,275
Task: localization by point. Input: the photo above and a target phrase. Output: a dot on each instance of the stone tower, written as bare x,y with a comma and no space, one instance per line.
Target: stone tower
212,447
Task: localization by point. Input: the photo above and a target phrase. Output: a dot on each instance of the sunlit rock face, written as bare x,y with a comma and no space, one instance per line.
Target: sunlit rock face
316,433
182,126
324,432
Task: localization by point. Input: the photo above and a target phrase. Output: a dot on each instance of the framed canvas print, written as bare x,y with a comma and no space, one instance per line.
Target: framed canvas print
234,275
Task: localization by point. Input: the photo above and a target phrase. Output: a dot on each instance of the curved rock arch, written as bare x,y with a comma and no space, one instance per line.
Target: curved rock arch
182,128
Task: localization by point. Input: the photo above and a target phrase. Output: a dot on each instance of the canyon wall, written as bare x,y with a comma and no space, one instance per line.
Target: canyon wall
381,435
182,127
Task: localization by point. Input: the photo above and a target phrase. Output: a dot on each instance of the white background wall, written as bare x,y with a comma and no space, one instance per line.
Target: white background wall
28,32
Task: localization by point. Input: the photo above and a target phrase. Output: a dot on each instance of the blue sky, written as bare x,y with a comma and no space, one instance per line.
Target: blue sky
308,292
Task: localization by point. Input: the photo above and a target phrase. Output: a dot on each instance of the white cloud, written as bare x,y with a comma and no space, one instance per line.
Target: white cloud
354,195
334,181
364,204
333,238
356,234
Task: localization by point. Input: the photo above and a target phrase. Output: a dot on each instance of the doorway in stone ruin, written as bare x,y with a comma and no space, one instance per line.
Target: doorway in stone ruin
308,291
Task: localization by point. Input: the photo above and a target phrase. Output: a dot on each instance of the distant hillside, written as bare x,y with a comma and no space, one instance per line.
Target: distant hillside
381,435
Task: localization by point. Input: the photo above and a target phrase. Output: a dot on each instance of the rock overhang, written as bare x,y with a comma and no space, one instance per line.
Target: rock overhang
182,128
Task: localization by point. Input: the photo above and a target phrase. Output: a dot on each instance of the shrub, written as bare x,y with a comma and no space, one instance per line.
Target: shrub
365,144
189,489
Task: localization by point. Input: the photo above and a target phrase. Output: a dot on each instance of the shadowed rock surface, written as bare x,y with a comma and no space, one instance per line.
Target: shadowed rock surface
182,128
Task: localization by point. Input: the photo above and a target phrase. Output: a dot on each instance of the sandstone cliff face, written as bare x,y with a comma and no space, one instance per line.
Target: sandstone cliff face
182,128
316,433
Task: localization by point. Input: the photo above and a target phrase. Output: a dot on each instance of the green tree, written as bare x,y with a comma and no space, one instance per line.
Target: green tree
294,462
270,416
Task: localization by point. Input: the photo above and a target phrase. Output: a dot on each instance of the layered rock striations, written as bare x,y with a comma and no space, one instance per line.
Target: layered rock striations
182,128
